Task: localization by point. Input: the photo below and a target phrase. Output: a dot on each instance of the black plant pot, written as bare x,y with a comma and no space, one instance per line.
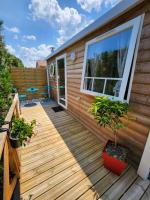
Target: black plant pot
15,143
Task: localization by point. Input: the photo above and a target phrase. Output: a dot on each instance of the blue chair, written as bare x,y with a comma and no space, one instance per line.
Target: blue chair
22,97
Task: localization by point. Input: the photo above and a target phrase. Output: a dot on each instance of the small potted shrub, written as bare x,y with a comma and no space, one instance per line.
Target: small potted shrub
108,113
20,132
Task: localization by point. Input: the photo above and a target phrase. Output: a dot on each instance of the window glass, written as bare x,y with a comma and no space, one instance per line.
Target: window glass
88,84
105,63
112,87
107,57
98,85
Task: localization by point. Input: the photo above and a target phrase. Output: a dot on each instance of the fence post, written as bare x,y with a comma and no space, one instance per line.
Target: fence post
18,108
6,173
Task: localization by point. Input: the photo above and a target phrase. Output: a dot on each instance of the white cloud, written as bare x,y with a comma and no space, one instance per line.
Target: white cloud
68,21
10,49
30,55
29,37
97,5
12,29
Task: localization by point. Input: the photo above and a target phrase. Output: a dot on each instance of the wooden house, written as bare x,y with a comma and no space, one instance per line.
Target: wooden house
109,57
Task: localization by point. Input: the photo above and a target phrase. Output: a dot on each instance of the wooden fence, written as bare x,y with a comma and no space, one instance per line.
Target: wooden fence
25,78
9,155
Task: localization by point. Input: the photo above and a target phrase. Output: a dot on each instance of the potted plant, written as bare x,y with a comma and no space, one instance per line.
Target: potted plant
108,113
20,132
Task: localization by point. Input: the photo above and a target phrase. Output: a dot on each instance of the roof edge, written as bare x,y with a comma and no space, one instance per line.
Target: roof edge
113,13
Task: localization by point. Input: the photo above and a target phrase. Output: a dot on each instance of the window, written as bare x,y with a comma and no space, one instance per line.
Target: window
108,60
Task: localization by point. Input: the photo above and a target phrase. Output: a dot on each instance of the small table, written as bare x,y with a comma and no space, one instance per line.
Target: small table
32,90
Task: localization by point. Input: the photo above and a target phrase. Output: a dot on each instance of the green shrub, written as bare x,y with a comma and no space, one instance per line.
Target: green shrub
5,80
22,130
108,113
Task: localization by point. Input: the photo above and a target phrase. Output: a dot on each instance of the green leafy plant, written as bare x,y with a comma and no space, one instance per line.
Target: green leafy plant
108,113
22,130
5,82
7,61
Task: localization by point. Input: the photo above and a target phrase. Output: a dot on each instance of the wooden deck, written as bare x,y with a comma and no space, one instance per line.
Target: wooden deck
63,161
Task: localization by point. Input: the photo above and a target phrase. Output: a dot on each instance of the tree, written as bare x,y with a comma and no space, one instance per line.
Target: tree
108,113
5,81
7,60
13,61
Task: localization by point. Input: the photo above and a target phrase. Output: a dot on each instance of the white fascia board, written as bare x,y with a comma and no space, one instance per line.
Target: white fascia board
115,12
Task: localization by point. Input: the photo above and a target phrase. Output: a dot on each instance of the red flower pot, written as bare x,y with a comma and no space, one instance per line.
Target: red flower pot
112,163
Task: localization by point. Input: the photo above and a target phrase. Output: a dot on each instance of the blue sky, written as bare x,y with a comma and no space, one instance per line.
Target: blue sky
32,27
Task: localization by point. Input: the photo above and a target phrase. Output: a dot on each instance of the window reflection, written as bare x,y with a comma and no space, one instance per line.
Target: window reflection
88,84
107,57
112,87
105,63
98,85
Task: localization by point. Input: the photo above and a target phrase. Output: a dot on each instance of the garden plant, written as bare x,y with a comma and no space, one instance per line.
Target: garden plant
7,61
21,131
109,113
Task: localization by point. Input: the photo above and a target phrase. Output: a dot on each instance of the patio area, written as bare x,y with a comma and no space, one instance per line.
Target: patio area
63,161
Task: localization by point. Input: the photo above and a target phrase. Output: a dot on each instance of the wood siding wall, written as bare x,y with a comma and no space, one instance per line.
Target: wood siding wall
135,135
30,77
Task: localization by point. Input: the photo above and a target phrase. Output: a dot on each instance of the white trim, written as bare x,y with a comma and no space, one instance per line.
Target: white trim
65,67
132,45
135,23
112,14
135,57
144,167
107,78
48,83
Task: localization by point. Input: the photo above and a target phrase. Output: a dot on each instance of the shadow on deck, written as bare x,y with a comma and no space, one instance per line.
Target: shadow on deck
63,161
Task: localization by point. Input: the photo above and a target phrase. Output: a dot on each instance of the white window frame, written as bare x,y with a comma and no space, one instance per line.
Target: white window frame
135,23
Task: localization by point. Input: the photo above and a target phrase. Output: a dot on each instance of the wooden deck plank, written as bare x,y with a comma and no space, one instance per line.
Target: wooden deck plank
63,161
120,187
63,149
54,134
146,195
84,185
101,186
44,176
67,184
58,178
75,143
53,138
136,190
51,141
56,161
78,154
58,167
